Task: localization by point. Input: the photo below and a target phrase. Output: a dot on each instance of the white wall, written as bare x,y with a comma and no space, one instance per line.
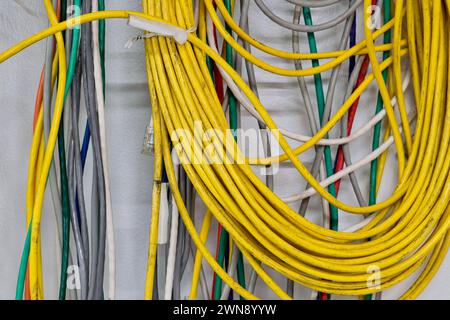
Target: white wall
128,112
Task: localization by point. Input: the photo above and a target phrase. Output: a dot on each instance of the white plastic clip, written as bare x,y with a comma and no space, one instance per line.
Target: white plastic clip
155,28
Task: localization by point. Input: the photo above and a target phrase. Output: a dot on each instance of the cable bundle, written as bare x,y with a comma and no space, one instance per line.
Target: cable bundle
85,48
399,235
408,227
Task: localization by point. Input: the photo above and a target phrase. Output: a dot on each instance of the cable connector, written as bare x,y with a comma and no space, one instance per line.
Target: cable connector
149,142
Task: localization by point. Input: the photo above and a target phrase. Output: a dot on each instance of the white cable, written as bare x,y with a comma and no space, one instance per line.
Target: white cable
163,220
104,153
242,98
344,172
173,239
361,224
326,211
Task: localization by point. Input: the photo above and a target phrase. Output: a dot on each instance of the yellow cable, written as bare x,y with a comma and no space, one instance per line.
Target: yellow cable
198,256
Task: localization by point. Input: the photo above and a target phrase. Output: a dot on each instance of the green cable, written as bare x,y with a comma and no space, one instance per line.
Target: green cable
63,172
210,64
23,265
63,14
220,259
102,47
224,237
241,271
379,107
321,106
65,213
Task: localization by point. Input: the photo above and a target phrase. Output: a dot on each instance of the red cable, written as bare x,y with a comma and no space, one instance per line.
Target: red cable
37,108
351,117
39,97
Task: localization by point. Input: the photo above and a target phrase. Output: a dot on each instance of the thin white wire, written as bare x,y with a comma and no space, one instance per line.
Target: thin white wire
240,96
361,224
172,242
326,211
344,172
355,166
104,152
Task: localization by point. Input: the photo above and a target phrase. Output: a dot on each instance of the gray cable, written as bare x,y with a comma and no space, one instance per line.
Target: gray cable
180,262
327,114
161,263
98,232
318,163
329,104
95,221
302,28
232,272
75,227
71,170
156,285
75,157
176,290
343,127
203,282
79,194
314,3
190,197
309,109
52,178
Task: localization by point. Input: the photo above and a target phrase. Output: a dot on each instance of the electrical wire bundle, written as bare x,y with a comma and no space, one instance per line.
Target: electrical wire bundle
195,53
85,72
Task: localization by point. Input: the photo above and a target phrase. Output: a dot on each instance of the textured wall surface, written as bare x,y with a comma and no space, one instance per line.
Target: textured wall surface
128,113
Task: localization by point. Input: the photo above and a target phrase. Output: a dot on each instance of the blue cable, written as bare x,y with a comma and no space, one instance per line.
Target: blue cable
352,44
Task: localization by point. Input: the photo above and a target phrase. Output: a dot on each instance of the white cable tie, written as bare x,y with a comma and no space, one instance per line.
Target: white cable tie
156,28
